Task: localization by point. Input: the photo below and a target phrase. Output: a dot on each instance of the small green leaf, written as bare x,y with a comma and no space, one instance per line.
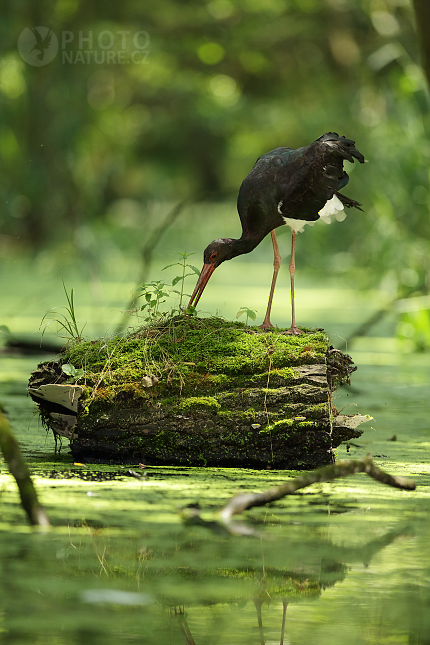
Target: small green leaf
69,369
195,269
176,280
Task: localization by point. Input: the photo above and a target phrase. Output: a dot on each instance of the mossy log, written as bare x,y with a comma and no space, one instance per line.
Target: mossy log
193,391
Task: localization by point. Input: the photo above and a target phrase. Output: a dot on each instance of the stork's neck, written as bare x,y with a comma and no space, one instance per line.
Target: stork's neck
242,246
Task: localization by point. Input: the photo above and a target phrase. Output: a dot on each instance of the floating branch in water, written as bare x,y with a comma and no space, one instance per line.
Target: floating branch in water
244,501
9,446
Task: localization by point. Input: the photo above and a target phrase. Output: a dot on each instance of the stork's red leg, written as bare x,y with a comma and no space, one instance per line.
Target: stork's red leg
276,264
294,330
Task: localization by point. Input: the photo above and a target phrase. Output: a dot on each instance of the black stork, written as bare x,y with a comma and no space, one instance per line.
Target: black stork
286,186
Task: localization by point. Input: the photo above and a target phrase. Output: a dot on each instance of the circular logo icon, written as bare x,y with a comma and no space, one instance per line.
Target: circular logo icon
37,46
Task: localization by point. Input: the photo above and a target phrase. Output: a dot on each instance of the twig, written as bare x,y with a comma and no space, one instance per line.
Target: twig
35,512
147,253
367,325
153,240
377,316
244,501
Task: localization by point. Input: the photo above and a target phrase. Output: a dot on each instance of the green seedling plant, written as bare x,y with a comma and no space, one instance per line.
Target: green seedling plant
250,313
153,293
66,323
180,279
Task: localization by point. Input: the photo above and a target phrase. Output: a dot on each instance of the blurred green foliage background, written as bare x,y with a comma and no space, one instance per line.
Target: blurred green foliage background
148,104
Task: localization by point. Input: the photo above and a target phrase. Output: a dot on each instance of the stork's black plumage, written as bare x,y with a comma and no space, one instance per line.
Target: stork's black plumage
284,186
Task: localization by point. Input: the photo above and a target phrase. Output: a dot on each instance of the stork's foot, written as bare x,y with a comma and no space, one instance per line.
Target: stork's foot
266,325
293,331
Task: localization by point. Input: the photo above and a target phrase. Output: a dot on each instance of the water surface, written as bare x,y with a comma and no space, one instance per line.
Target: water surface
343,562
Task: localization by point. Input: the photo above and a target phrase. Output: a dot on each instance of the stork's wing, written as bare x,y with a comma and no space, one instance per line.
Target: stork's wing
256,201
313,174
294,184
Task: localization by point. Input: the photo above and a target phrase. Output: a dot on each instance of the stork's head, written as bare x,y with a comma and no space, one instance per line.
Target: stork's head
217,252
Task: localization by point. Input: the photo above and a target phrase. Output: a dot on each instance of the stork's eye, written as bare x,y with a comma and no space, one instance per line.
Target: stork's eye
213,256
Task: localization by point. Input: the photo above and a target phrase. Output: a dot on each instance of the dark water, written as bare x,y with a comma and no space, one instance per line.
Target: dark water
346,562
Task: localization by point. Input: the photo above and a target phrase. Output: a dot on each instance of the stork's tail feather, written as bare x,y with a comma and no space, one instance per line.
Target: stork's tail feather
348,202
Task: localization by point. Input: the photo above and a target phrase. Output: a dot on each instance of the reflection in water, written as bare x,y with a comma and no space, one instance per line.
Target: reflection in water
268,587
183,625
193,587
278,588
258,604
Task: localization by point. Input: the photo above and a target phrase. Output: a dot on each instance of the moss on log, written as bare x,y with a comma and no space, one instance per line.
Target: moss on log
190,391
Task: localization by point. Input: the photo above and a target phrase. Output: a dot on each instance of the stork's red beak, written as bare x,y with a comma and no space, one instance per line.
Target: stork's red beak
204,276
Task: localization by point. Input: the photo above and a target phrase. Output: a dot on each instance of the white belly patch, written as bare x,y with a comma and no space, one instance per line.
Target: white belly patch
333,208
